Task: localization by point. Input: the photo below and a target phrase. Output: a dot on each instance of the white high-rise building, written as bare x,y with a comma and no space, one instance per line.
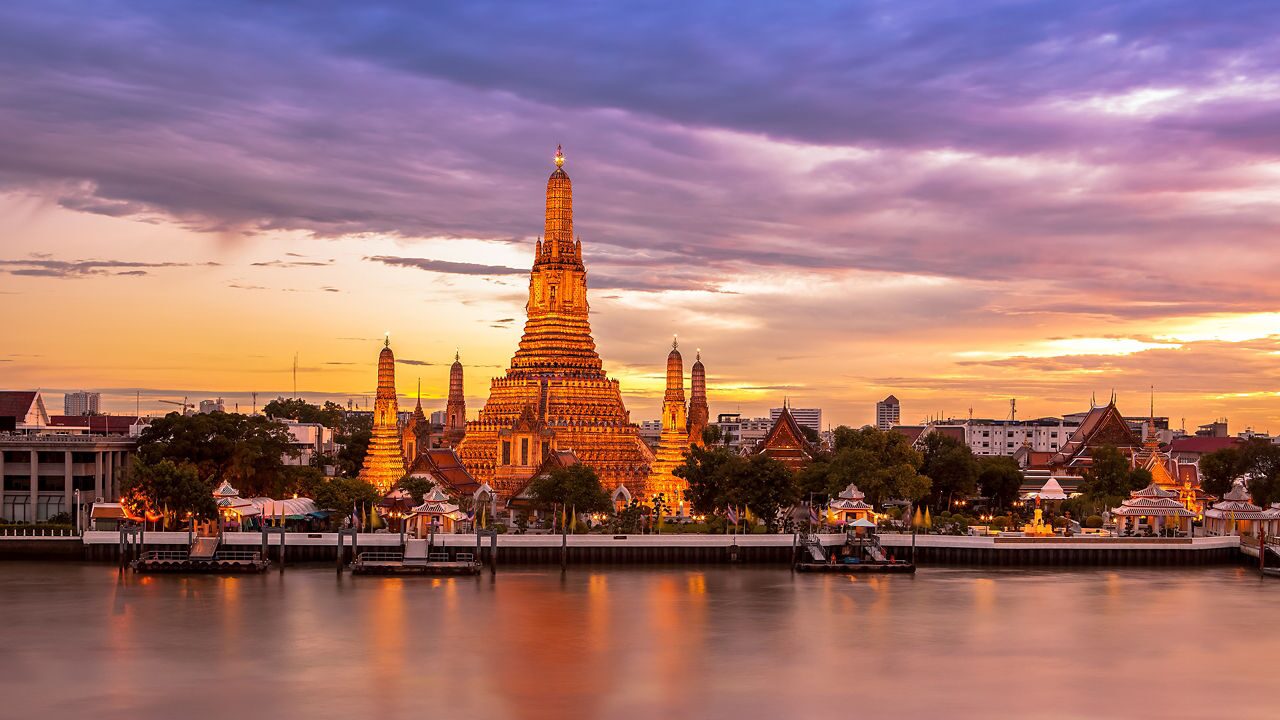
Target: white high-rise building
888,413
81,402
211,406
805,417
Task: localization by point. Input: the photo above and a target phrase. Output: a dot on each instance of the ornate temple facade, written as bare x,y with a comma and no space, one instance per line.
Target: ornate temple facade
786,442
384,462
699,412
416,435
555,395
673,443
455,410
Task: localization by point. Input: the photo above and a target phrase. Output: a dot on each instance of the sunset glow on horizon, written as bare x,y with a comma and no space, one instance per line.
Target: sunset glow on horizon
1046,207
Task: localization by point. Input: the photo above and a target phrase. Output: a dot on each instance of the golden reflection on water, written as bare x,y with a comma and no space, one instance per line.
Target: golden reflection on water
637,643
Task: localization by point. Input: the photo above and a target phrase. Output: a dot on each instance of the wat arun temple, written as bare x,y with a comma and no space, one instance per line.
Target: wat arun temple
555,396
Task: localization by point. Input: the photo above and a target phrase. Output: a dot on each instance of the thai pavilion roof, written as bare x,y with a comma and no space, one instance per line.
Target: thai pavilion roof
1154,491
442,465
1236,505
851,492
1051,490
843,504
226,490
1153,507
435,502
1102,425
786,442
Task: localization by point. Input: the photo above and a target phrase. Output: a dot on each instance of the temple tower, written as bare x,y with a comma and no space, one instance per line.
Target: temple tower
455,410
555,395
699,413
384,462
673,443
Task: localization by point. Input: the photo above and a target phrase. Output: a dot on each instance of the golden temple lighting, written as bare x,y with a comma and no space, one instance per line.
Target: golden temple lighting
555,395
384,461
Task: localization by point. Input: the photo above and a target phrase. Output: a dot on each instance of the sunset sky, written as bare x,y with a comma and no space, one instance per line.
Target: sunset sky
954,202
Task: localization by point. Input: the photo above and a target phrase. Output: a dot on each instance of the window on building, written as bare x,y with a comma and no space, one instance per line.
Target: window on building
83,457
15,508
51,457
17,482
17,456
524,451
48,506
82,482
51,483
506,452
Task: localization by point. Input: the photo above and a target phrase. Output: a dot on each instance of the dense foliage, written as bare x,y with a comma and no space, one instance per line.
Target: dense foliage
576,487
168,488
246,450
719,478
1256,461
951,468
883,464
1000,479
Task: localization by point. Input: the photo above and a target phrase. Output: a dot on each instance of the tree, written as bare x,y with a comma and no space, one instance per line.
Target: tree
709,472
330,415
712,436
882,463
417,487
951,468
576,487
247,451
341,494
168,487
1000,479
766,486
351,455
1220,469
1111,477
810,434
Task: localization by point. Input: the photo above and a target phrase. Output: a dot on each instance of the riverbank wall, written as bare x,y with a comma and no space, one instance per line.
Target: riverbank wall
939,550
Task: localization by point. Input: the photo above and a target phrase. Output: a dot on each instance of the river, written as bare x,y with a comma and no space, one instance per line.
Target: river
83,640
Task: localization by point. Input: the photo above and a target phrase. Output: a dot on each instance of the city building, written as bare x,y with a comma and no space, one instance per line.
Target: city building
650,432
212,406
1006,437
888,413
738,432
673,443
437,417
307,440
43,474
555,394
804,417
384,462
131,425
81,402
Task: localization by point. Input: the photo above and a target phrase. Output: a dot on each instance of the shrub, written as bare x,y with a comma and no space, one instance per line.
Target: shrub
1093,521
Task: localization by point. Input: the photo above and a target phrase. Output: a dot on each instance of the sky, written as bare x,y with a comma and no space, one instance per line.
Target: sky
958,203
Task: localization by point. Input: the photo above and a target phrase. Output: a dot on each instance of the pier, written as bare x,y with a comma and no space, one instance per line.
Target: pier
940,550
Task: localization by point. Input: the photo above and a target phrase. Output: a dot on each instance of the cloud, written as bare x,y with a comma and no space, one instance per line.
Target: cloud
447,267
407,361
70,269
293,263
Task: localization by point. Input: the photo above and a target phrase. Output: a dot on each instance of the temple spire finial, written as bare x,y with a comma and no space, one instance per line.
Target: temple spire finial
457,355
386,340
419,393
675,343
559,156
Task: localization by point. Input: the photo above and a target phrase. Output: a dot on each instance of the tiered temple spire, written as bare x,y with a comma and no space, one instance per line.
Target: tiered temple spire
455,411
555,395
699,413
384,462
673,443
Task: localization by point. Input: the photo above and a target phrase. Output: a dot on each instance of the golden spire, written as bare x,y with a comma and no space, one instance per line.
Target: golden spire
559,157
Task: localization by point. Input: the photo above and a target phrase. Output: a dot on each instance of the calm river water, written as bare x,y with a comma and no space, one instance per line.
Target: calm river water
85,641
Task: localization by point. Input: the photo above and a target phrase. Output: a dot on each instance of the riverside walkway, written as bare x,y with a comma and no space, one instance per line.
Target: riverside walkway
757,548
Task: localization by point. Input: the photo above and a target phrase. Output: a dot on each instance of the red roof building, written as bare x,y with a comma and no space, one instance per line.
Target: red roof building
786,443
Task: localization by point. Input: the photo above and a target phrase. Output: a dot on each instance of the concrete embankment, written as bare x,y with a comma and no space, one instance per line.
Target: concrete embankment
692,549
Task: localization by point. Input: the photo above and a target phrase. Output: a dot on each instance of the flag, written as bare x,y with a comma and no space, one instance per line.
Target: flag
928,519
573,519
732,514
918,519
813,515
563,517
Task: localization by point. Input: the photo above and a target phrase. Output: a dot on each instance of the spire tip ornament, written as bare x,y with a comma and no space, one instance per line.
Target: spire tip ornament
559,156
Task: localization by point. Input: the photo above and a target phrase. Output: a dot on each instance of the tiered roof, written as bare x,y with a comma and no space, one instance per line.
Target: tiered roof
1101,426
1235,505
786,442
443,467
1153,501
851,498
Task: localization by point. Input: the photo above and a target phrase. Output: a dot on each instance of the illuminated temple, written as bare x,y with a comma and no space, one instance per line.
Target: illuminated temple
673,443
384,462
555,395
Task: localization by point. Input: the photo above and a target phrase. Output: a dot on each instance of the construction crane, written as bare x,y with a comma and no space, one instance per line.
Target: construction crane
184,404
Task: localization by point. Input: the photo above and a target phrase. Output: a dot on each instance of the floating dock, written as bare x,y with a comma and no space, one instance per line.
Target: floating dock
417,558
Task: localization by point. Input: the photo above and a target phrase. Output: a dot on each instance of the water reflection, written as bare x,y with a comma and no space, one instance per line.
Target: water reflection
84,640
